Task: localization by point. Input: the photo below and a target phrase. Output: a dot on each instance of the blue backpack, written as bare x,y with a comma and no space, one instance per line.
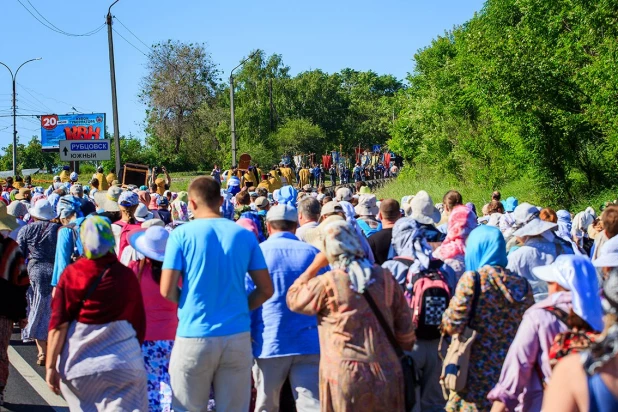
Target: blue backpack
259,222
367,230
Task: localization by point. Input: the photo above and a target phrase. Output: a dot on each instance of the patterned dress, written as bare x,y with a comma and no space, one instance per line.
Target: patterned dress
157,361
504,299
359,370
38,243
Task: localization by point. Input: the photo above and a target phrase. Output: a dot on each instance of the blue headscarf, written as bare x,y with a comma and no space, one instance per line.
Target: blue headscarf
287,196
409,240
564,224
485,246
53,200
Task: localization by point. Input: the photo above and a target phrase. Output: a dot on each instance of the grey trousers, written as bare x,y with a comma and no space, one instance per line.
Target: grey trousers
270,374
196,363
429,367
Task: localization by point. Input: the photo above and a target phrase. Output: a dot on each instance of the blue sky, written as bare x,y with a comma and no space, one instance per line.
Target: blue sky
330,35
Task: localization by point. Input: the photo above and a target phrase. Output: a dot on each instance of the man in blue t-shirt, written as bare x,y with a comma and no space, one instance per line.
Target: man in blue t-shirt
212,255
285,344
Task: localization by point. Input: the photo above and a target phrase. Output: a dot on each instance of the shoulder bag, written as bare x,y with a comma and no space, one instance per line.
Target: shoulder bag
407,363
90,291
456,363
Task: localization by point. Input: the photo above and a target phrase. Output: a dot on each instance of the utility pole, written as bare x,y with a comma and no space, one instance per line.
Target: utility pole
112,72
270,95
14,79
233,120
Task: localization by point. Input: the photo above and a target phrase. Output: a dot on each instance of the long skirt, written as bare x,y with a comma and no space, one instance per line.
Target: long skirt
157,362
39,301
120,390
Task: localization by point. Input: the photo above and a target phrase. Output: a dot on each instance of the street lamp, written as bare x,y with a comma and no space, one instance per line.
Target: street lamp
13,77
233,123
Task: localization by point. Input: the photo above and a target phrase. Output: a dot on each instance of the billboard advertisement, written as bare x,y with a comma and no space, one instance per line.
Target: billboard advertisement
78,126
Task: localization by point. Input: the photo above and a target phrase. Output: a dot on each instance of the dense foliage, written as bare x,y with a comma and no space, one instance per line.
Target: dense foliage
525,88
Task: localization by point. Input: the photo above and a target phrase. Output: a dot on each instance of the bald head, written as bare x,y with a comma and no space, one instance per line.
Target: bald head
389,211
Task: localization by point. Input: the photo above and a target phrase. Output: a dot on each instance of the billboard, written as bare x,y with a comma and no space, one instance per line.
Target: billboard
78,126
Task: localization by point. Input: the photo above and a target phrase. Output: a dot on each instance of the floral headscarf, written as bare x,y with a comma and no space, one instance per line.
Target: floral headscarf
409,240
182,197
460,223
96,236
345,252
67,206
179,212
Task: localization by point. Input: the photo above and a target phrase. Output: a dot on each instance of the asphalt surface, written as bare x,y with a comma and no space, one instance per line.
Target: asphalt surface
20,395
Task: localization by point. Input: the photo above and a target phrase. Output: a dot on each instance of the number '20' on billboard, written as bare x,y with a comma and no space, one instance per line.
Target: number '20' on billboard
71,127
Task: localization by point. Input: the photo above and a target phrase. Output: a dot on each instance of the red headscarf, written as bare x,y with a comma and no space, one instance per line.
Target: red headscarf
460,223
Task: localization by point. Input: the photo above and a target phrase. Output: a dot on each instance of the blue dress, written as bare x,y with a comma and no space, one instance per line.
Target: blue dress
38,243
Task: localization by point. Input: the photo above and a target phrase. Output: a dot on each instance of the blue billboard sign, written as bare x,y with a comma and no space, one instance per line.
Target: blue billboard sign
78,126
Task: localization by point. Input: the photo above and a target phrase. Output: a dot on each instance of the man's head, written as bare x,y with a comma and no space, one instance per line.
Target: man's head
243,198
9,181
390,212
610,221
94,182
204,196
262,203
100,169
282,218
153,188
308,210
331,209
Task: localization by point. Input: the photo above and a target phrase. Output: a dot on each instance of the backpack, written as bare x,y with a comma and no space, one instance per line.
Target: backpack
73,227
259,222
571,341
428,296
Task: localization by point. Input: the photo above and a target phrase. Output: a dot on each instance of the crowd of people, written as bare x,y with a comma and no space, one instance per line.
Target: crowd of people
315,175
275,293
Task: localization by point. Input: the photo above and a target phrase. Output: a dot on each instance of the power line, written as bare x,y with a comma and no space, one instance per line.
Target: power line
131,44
50,98
54,28
133,34
44,105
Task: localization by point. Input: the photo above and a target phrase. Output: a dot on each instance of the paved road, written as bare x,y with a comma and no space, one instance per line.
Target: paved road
26,390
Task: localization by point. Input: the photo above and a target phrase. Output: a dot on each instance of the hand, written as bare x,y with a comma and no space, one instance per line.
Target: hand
53,380
23,323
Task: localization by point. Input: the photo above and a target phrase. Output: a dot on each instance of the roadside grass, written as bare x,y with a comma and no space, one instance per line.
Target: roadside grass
525,190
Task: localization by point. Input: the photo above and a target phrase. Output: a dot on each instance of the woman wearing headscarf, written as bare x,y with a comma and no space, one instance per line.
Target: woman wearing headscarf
587,381
413,256
161,317
68,247
572,284
503,299
37,241
359,369
179,213
461,222
97,326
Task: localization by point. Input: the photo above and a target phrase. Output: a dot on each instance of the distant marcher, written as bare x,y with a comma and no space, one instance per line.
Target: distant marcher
103,185
380,242
461,222
96,328
501,303
213,342
425,213
346,323
308,216
285,344
161,319
14,285
37,241
367,211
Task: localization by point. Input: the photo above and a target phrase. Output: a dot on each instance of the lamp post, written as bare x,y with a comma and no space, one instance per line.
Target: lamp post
233,122
112,72
14,77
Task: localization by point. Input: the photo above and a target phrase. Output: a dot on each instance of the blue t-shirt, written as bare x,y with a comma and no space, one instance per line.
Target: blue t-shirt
275,329
213,255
